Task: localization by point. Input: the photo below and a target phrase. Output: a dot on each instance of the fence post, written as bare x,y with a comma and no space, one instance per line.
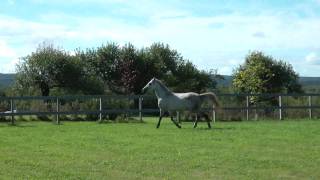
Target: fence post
140,108
214,115
178,116
57,111
100,109
280,107
310,107
11,109
247,104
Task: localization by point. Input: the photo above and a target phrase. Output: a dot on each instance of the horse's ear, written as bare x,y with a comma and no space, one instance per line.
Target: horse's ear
153,80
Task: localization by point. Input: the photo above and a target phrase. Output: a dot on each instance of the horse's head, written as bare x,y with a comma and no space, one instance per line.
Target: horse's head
150,85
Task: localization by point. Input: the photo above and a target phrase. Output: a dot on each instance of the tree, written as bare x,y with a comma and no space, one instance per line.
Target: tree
129,67
264,74
49,68
114,65
181,75
126,69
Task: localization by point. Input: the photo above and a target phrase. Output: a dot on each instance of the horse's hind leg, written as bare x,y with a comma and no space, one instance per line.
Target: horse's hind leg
195,122
209,125
174,122
160,118
208,120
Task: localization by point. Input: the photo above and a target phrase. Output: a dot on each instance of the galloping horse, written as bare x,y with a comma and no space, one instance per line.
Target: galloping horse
176,102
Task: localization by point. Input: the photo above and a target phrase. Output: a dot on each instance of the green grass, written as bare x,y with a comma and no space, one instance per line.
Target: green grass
87,150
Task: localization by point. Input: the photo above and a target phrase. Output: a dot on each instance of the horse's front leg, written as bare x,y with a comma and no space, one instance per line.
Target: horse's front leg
174,122
196,121
160,118
208,120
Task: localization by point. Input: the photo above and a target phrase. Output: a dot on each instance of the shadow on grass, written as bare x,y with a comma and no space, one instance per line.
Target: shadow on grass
6,124
130,121
215,128
23,125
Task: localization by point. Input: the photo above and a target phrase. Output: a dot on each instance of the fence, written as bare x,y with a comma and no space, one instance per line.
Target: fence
303,105
239,103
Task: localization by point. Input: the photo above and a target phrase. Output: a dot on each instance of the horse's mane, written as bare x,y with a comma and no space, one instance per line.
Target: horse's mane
165,88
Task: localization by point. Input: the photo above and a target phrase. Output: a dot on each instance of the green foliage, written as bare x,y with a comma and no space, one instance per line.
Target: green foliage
125,70
50,68
4,106
178,73
263,74
2,93
109,68
103,63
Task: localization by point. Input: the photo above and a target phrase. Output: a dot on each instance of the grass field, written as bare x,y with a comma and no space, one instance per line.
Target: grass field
234,150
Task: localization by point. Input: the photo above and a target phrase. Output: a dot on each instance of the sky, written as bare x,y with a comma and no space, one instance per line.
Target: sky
213,34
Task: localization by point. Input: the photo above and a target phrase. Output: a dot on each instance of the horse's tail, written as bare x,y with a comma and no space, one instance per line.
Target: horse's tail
211,97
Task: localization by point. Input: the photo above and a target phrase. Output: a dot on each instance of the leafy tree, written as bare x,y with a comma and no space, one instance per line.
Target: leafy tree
264,74
2,93
114,65
180,74
126,69
49,68
187,77
158,61
130,69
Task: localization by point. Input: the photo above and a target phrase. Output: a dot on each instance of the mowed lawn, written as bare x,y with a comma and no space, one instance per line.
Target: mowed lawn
231,150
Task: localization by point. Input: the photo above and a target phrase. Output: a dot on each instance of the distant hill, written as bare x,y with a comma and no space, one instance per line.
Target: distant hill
6,80
226,81
310,81
305,81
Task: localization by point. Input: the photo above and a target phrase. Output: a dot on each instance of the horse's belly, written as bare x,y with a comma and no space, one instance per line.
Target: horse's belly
177,104
180,105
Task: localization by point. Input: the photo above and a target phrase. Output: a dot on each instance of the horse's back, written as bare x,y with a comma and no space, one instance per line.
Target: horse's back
187,95
188,101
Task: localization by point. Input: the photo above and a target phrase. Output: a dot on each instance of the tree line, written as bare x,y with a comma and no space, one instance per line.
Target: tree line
107,69
115,69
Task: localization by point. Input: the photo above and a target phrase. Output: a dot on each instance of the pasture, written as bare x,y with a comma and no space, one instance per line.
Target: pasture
230,150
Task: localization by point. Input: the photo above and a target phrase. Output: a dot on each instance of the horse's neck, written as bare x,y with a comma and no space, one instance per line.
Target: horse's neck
162,92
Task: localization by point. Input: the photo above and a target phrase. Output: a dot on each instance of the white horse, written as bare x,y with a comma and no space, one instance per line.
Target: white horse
177,102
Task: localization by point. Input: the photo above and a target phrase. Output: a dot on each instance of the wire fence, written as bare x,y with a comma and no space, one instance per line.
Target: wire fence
233,106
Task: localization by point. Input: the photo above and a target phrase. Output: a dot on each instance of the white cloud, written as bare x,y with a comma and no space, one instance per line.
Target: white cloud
8,58
237,32
193,36
6,51
225,70
313,58
11,2
259,34
8,65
